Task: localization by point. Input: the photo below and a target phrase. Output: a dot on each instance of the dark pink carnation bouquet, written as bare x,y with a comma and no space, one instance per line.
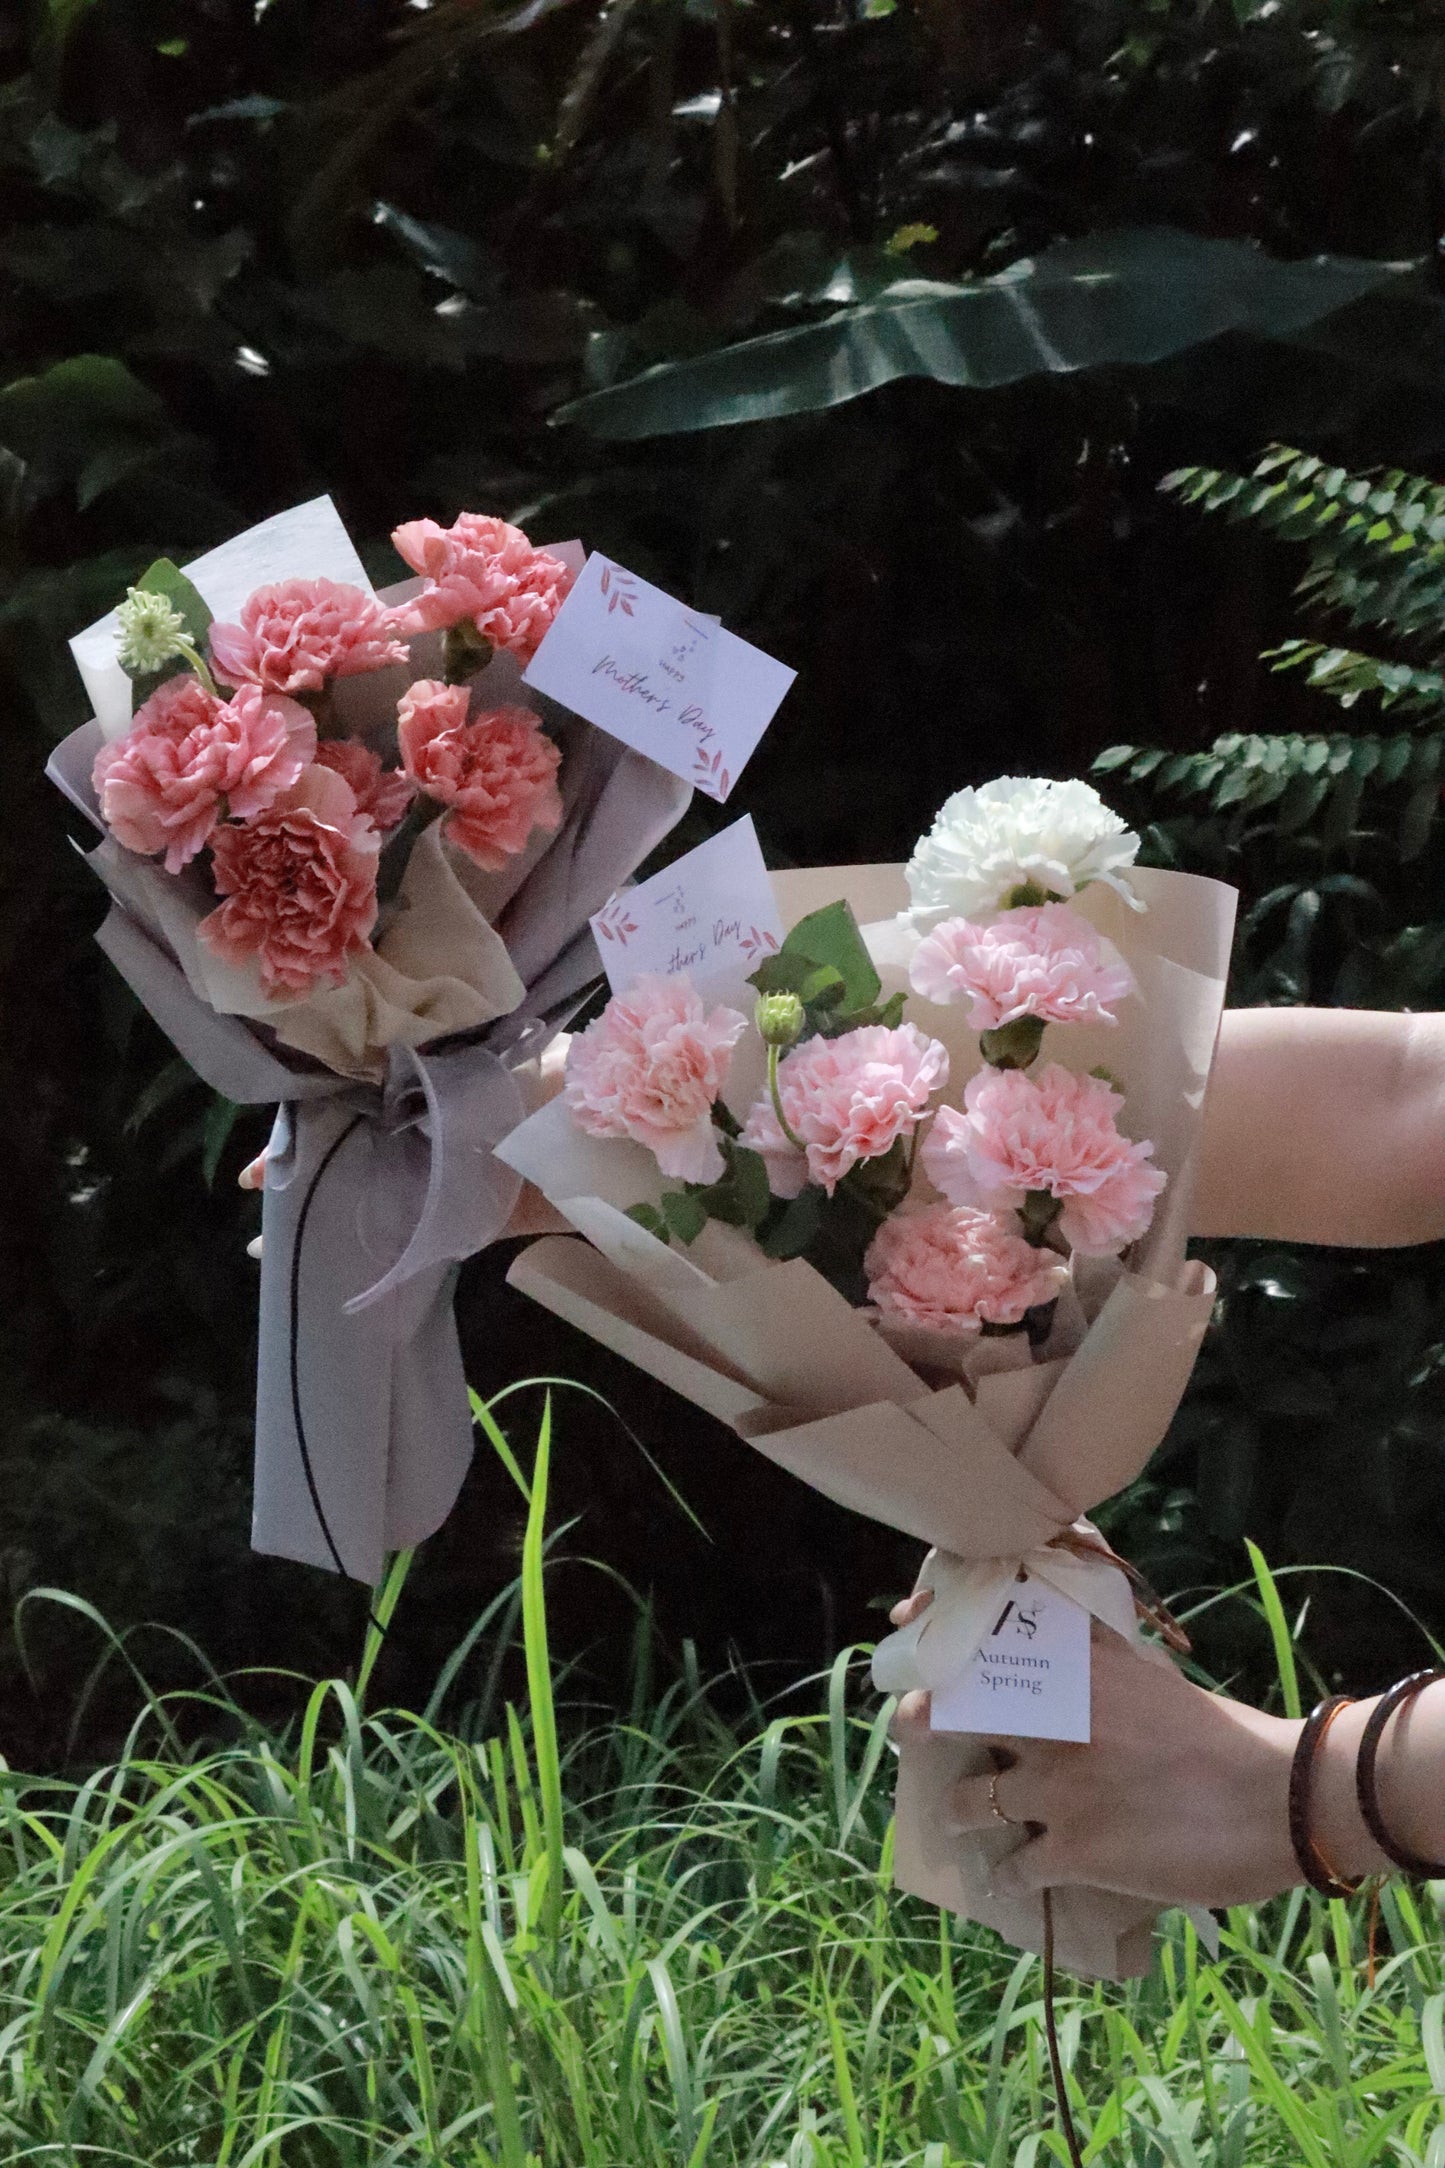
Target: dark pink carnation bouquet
351,860
294,754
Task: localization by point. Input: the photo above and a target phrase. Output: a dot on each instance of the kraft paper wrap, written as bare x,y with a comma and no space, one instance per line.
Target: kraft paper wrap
986,1466
413,1069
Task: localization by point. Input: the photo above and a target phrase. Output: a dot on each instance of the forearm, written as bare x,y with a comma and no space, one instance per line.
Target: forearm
1410,1783
1325,1125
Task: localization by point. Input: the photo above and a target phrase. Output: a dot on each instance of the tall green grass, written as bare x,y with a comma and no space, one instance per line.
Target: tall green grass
669,1940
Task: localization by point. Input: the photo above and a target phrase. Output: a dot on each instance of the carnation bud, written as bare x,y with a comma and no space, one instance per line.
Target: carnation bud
149,632
780,1019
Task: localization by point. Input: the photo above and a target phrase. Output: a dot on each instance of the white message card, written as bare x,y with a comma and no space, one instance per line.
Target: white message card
1030,1679
666,680
711,914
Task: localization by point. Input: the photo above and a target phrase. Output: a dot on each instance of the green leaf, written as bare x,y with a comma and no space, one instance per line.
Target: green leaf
824,987
824,951
221,1118
455,258
648,1216
685,1214
797,1226
1122,298
165,578
86,421
741,1197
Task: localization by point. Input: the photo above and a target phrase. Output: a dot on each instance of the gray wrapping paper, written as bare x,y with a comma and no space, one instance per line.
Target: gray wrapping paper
375,1190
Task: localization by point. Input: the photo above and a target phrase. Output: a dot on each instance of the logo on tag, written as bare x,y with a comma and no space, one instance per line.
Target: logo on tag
1030,1676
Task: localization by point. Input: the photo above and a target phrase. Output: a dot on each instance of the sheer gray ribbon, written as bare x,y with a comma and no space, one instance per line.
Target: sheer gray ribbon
374,1194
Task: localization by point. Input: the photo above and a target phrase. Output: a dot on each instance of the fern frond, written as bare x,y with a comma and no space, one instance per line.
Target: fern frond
1345,675
1376,540
1301,781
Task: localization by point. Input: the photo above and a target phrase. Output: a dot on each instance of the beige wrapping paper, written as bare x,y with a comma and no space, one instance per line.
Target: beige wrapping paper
989,1468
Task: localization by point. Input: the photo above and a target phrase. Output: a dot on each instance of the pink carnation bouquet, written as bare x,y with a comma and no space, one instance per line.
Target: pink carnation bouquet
352,858
957,1220
293,756
908,1210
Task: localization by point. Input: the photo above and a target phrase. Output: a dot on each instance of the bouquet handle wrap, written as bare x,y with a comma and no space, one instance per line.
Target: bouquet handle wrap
379,1183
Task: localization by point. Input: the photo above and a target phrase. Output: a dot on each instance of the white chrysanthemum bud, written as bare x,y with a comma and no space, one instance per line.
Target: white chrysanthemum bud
1019,840
780,1019
149,631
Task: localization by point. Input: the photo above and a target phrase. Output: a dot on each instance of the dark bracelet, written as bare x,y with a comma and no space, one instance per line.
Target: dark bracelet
1314,1867
1399,1696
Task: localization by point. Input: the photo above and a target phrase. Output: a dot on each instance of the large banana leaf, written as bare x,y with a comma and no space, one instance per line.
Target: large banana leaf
1120,298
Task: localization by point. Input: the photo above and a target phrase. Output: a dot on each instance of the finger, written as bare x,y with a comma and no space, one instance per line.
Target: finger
253,1175
911,1719
253,1248
1000,1797
1040,1864
912,1607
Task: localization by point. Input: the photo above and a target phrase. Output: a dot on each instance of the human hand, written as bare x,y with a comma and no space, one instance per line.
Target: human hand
1181,1797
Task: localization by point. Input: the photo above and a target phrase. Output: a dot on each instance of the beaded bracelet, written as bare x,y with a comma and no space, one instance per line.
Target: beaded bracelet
1314,1867
1399,1696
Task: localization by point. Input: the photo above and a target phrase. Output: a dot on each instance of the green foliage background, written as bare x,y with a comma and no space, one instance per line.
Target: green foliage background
872,327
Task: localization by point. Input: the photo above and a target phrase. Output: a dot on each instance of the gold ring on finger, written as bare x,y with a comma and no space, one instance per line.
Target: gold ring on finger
993,1806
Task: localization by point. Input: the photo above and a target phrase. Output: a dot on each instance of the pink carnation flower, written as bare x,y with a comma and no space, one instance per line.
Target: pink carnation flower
497,774
299,886
953,1269
382,794
482,569
188,759
650,1069
1046,962
295,635
848,1098
1058,1132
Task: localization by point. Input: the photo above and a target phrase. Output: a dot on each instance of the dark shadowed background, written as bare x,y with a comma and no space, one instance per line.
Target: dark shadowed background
408,254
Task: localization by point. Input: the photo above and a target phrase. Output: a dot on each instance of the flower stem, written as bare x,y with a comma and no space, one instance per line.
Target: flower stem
198,663
1038,1212
465,652
793,1138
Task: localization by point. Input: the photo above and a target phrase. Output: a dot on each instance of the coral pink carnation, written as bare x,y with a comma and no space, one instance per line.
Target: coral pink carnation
847,1099
382,794
188,759
1056,1132
953,1269
295,635
1046,962
497,775
299,886
481,568
650,1069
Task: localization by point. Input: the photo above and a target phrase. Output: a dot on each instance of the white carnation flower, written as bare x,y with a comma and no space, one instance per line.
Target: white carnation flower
1017,833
